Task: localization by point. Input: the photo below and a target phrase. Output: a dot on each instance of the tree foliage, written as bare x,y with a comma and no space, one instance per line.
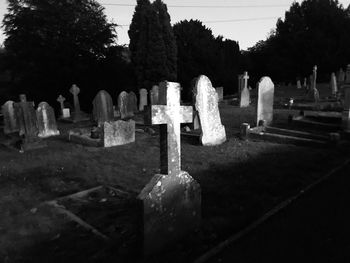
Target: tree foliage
315,32
53,44
152,44
199,52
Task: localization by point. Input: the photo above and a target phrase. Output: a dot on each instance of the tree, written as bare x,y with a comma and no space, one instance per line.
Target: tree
56,43
152,44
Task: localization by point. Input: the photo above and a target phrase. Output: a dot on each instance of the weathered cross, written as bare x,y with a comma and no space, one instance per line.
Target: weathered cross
75,91
61,100
169,116
314,77
245,77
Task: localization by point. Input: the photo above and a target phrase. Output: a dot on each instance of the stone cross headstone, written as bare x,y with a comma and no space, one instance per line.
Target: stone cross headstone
75,91
122,104
132,103
61,100
143,99
103,108
154,95
118,133
213,132
171,200
347,74
298,84
220,92
265,101
245,98
46,120
341,76
10,118
334,86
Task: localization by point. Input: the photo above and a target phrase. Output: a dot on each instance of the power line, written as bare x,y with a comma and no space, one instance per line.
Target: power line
230,20
205,6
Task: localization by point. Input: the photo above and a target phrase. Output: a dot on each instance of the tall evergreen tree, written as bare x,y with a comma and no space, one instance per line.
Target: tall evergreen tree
152,44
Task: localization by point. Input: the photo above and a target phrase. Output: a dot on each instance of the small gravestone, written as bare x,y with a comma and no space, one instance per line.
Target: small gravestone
341,76
213,132
132,104
122,104
118,133
154,95
298,84
334,86
103,108
347,75
245,93
143,99
305,83
61,100
28,126
66,113
10,118
46,121
77,115
265,101
346,110
220,92
172,199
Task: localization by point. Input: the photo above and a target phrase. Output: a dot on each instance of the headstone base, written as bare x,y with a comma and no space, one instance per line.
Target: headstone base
171,209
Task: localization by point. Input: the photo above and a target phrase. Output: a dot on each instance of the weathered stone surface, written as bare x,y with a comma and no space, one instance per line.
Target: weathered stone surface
132,104
46,121
122,104
265,101
10,118
213,132
66,113
334,86
103,108
154,95
118,133
172,208
220,92
143,99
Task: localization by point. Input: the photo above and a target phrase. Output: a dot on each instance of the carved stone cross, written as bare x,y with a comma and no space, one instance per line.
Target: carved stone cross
169,116
61,100
75,91
245,77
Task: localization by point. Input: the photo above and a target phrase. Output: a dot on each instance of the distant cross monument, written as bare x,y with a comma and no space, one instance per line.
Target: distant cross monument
61,100
75,91
314,77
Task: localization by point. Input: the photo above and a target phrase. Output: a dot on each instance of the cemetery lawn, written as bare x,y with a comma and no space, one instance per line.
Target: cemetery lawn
240,181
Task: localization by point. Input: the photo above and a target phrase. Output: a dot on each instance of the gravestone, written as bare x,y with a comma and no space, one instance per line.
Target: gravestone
28,126
46,121
245,98
118,133
341,76
265,101
298,84
316,95
220,92
61,100
103,108
305,83
143,99
213,132
132,104
77,115
314,78
10,118
346,109
122,104
172,199
154,95
347,75
334,87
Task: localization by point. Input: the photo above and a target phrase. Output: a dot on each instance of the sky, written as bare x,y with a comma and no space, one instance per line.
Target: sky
245,21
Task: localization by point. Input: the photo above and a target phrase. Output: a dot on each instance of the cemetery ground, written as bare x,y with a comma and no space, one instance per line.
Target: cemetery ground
240,181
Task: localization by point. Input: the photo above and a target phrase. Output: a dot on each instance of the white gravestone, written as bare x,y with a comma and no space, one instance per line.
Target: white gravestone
123,104
10,119
265,101
46,121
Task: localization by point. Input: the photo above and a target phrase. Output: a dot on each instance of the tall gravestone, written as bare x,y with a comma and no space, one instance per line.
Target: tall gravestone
61,101
334,86
143,99
132,103
103,107
10,118
172,199
77,115
154,95
265,101
213,132
46,120
305,83
245,93
122,104
298,84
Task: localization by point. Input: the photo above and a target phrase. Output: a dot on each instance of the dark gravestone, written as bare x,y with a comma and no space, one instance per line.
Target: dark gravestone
10,119
122,104
46,121
77,115
131,104
103,108
172,199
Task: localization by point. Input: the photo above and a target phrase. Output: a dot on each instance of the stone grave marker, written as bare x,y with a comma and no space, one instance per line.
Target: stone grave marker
265,101
154,95
298,84
132,104
341,76
77,115
118,133
172,199
244,100
347,74
10,118
46,121
61,101
305,83
314,78
103,108
213,132
220,92
122,104
143,99
334,86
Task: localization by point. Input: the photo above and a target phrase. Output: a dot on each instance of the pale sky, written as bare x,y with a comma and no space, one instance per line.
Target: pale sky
245,21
